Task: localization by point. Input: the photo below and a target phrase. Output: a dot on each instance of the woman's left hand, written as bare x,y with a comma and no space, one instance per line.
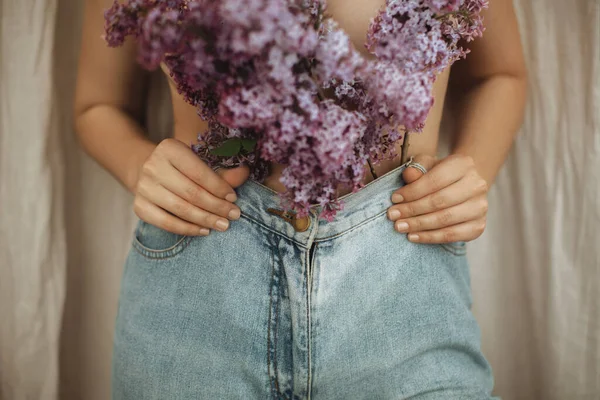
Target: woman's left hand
447,204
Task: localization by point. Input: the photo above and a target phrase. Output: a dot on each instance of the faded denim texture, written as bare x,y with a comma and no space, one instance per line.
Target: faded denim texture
345,310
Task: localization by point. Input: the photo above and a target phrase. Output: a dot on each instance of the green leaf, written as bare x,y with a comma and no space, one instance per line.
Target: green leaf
248,144
229,148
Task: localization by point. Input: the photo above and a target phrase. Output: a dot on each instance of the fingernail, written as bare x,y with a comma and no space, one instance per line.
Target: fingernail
234,213
222,225
232,197
397,198
413,238
203,232
402,226
394,214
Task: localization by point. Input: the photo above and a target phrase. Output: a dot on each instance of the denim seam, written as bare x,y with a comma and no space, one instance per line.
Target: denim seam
319,240
162,254
355,227
454,250
270,362
453,390
275,336
257,222
308,321
310,336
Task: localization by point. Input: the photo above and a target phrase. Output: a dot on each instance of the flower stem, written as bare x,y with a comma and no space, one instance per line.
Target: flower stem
404,151
321,94
461,13
372,169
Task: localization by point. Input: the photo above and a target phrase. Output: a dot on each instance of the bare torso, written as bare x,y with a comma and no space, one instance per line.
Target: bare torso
355,21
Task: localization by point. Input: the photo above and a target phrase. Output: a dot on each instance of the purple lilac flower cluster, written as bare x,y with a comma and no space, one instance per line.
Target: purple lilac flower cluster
259,72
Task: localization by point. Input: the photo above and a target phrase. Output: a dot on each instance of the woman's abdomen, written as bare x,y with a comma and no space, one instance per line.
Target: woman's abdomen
188,125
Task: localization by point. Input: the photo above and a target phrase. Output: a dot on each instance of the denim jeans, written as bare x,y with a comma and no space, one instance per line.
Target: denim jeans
272,309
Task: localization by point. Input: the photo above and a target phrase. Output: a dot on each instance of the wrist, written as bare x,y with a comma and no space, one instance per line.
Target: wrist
137,161
482,166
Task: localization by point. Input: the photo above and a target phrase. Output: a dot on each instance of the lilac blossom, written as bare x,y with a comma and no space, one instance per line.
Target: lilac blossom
278,81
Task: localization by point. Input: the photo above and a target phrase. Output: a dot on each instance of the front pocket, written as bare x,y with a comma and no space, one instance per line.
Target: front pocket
456,248
154,242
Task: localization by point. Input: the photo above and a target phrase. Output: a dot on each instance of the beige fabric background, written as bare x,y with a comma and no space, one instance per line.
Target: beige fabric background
65,224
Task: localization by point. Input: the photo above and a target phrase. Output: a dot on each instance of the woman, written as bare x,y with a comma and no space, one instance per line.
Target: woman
225,296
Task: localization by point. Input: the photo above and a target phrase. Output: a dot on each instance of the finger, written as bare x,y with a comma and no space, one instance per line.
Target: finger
466,188
182,186
234,176
411,174
188,163
156,216
443,174
467,211
464,232
174,204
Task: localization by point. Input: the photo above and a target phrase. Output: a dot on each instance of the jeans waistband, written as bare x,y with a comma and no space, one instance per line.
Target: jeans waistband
371,201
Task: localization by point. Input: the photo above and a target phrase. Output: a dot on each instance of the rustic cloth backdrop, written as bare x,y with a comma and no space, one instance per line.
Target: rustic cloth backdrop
65,224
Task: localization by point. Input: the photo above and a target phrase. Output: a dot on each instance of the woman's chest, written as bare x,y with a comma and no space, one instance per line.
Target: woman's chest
354,17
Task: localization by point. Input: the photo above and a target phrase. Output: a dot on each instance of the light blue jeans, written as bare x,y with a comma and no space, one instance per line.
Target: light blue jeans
348,309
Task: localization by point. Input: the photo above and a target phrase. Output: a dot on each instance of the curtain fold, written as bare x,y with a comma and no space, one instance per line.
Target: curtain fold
536,269
32,234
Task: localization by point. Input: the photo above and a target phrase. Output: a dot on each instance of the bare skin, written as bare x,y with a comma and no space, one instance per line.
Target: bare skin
355,21
178,192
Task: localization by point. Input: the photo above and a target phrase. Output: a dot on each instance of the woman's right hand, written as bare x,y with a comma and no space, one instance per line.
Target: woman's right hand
178,192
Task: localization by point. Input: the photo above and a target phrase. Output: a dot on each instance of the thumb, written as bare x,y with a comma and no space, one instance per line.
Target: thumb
409,175
234,176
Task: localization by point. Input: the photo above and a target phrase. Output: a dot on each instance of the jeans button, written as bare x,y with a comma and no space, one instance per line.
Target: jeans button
301,224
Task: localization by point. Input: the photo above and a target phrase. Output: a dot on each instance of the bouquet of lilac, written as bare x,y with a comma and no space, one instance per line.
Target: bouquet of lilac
278,81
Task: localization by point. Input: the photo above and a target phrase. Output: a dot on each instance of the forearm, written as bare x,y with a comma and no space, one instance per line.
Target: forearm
487,119
115,140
